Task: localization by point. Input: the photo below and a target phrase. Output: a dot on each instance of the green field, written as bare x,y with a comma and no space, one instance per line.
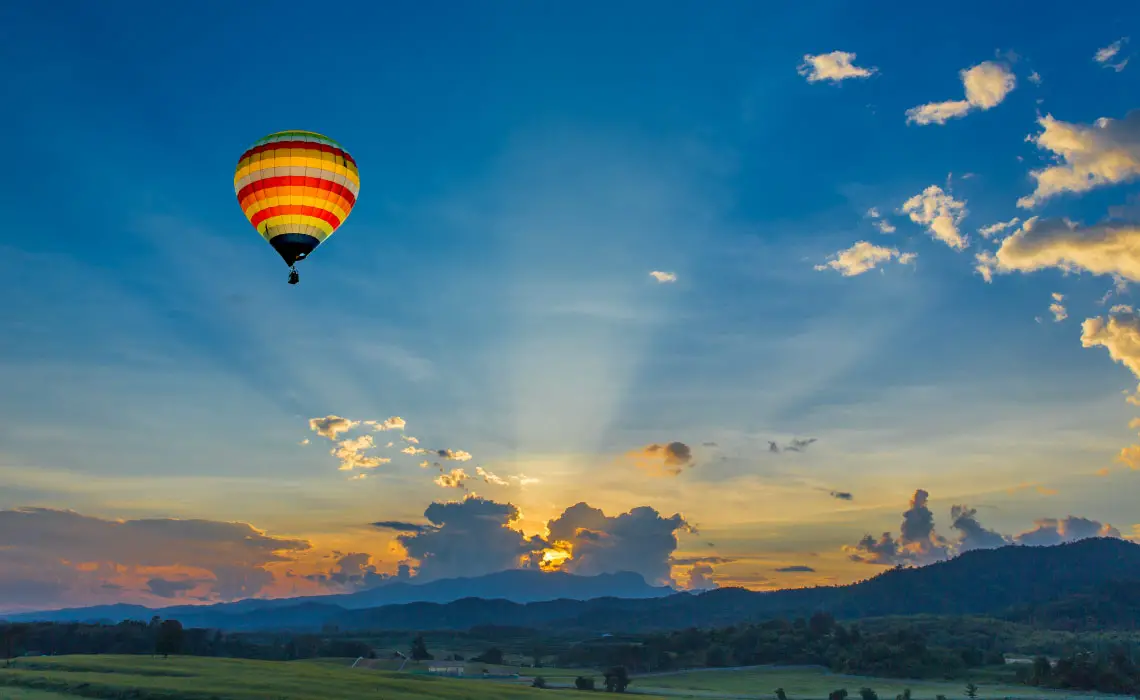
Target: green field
815,683
201,678
22,694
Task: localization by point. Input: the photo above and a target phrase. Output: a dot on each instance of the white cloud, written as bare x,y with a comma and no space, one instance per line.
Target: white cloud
1119,333
835,67
1057,308
1035,78
879,222
1106,152
663,276
863,256
490,477
393,423
1103,249
409,438
409,450
455,479
351,454
986,85
1106,54
940,213
992,229
332,426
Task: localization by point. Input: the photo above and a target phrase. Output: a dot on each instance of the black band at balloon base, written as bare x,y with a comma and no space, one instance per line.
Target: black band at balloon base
293,246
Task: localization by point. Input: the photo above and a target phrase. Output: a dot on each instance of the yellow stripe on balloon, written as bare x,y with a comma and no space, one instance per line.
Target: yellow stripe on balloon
300,162
287,220
258,205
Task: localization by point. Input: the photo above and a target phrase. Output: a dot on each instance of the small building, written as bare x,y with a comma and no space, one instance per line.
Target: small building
446,669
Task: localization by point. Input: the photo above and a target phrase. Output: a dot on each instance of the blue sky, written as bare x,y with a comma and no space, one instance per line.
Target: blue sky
524,168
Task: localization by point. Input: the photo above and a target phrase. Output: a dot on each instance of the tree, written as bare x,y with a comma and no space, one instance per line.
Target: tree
971,691
584,683
1042,669
169,638
840,694
494,655
538,652
419,649
617,679
539,682
821,624
904,695
780,694
716,657
868,694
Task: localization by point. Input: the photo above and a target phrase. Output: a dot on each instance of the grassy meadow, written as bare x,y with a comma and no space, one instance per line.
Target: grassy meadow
203,678
813,683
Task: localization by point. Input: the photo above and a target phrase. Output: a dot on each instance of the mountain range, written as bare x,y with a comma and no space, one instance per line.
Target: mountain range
1013,582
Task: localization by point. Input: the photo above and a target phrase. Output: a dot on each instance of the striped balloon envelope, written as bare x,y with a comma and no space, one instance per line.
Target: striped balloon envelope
296,188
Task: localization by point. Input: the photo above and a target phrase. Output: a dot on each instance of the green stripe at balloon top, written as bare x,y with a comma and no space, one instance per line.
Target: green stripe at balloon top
310,136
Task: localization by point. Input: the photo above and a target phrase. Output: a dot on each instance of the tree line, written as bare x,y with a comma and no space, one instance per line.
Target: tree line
159,636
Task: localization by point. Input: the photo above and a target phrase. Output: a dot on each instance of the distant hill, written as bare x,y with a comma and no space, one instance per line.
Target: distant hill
520,586
1017,582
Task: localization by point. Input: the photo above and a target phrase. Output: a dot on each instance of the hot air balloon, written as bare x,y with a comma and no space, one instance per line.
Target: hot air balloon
296,188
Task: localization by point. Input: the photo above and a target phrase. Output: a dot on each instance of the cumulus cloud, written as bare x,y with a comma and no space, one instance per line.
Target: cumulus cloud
986,85
700,578
454,455
455,479
663,460
663,276
1035,78
641,541
350,451
1106,152
351,454
834,67
973,535
1119,334
920,544
1105,55
355,571
1102,249
471,537
1130,457
798,568
842,495
1057,308
1050,531
411,450
393,423
58,557
331,426
940,213
863,256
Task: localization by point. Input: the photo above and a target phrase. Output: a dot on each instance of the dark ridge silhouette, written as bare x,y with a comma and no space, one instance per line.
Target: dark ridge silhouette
1016,582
